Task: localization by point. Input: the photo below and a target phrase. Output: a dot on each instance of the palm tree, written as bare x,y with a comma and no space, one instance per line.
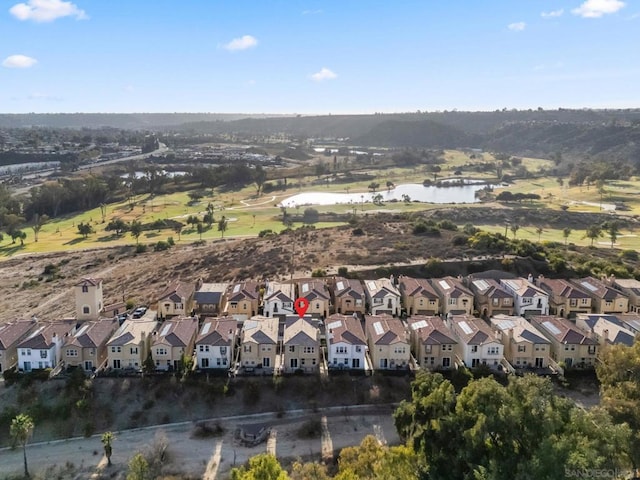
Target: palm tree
21,429
222,225
593,232
565,233
200,229
107,440
514,229
136,230
539,231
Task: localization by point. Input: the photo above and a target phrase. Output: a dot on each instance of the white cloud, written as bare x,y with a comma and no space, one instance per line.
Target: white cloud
19,61
241,43
323,74
46,10
552,13
517,26
598,8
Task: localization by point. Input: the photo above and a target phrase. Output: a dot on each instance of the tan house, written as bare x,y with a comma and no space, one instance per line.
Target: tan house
432,342
491,298
301,348
173,342
477,343
176,300
315,291
605,299
569,344
389,345
88,293
243,300
130,345
524,345
11,334
565,299
87,347
347,296
418,296
629,287
259,341
606,329
210,298
455,298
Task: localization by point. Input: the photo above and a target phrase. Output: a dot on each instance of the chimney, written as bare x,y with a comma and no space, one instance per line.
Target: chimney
530,278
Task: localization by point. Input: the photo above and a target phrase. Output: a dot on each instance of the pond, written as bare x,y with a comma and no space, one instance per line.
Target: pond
415,191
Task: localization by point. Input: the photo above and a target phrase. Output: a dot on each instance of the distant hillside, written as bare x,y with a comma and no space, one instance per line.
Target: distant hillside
424,133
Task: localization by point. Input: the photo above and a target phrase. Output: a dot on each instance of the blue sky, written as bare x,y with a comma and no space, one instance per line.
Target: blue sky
332,56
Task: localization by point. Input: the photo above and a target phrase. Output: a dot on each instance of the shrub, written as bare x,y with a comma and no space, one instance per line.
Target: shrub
319,272
170,241
312,428
141,248
631,255
357,232
460,240
161,245
266,233
422,228
343,271
447,225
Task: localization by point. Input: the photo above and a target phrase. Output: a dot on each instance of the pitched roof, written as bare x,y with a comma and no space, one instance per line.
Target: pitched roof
561,329
42,337
346,286
131,331
380,288
176,332
471,330
217,332
523,288
489,288
562,288
414,287
345,328
598,289
177,290
384,329
610,327
431,330
300,332
261,330
92,334
210,293
521,330
243,290
12,332
313,289
94,282
450,286
283,291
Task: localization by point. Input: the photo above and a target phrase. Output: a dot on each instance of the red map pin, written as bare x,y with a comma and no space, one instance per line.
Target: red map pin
301,305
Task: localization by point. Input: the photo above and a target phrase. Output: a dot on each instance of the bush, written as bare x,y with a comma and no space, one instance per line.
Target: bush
631,255
319,272
170,241
141,248
422,228
310,429
357,232
343,271
161,246
266,233
448,225
460,240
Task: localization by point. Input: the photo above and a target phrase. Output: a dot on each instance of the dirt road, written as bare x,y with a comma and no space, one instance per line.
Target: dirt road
212,457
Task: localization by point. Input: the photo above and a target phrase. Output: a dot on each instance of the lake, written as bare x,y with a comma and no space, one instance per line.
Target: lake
415,191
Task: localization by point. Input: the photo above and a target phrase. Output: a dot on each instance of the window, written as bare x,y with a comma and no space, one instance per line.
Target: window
592,349
218,362
496,301
86,310
317,306
507,301
584,301
178,306
116,364
378,301
85,289
446,362
292,348
474,348
341,349
134,350
447,347
453,301
522,348
358,348
223,350
527,301
246,349
308,349
427,349
233,305
266,362
43,354
573,302
359,303
287,305
72,352
160,351
493,350
400,350
204,363
116,349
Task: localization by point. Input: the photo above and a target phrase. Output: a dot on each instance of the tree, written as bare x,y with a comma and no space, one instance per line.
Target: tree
200,229
539,231
261,467
593,232
514,229
118,225
195,196
377,199
107,440
565,233
19,234
222,226
310,215
390,185
373,186
177,227
85,229
259,177
136,230
613,230
309,471
103,211
38,222
138,468
149,366
406,198
21,429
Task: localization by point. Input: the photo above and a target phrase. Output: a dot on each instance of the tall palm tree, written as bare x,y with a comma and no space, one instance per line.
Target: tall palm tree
565,233
539,231
514,229
21,429
107,440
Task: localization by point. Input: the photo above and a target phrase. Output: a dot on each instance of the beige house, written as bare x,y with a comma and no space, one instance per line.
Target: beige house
88,293
569,344
347,296
243,300
491,298
606,329
432,342
176,300
524,345
383,297
389,345
11,334
210,298
173,342
130,345
455,298
259,342
629,287
477,344
87,347
418,296
315,291
565,299
605,299
301,348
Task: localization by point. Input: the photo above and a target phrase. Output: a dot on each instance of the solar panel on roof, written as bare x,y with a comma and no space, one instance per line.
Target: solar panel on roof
336,324
418,325
340,285
165,330
504,324
588,286
481,284
82,330
236,289
206,328
466,328
551,327
371,285
378,328
305,288
443,284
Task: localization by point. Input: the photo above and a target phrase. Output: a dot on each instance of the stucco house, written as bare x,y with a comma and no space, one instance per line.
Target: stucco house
215,343
432,342
176,300
11,334
491,298
210,298
569,344
418,296
606,329
346,342
130,345
279,298
259,341
87,346
605,299
629,287
347,296
89,298
524,345
455,298
528,298
173,342
477,344
315,291
388,340
41,348
382,296
565,298
301,347
243,300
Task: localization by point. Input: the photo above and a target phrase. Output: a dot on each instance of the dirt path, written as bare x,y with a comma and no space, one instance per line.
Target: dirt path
212,457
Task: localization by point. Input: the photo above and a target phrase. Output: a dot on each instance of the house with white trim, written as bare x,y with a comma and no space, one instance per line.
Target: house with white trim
215,342
346,342
41,348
